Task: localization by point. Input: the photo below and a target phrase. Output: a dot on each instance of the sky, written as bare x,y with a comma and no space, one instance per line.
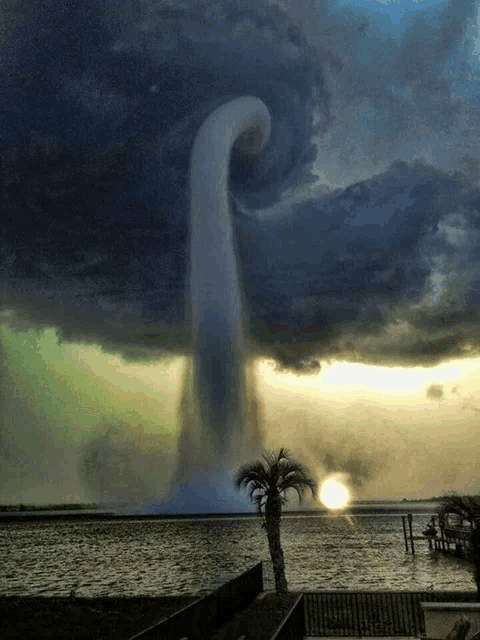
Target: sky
357,237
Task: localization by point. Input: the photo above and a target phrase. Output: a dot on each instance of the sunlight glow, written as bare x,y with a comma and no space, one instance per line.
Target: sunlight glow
333,493
353,381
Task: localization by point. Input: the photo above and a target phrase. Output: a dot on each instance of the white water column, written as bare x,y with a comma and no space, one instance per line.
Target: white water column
218,421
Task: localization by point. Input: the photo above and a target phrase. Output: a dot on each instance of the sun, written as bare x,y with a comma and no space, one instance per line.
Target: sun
334,494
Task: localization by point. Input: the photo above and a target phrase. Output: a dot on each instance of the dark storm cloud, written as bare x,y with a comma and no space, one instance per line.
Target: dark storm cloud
379,271
99,109
407,79
99,112
435,391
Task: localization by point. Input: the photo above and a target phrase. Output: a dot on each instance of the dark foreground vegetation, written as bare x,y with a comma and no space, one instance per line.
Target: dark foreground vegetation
84,618
258,621
121,618
47,507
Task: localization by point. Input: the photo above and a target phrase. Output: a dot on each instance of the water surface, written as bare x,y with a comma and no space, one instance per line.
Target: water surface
156,557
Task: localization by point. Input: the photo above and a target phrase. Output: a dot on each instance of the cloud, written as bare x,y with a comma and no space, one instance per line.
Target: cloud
116,465
435,391
98,120
68,430
385,453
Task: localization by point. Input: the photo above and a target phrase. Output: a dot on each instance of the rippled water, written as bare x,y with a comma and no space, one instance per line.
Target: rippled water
175,557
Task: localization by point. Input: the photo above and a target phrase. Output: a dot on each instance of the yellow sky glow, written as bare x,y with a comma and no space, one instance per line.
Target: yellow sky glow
336,383
376,423
344,381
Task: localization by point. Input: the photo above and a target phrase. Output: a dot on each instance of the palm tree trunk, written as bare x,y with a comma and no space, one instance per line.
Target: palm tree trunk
278,562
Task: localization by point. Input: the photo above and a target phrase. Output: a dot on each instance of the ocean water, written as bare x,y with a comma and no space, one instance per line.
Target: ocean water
156,557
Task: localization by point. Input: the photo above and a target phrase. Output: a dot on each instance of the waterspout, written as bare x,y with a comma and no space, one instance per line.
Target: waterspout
219,417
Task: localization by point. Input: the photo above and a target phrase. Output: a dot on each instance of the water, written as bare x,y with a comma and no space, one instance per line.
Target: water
157,557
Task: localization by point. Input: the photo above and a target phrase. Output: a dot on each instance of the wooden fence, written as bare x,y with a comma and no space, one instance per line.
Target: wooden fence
201,618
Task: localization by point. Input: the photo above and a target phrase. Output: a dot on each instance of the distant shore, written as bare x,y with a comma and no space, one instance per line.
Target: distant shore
355,508
25,508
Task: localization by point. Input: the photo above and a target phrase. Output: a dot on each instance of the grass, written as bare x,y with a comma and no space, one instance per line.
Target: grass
51,618
258,621
83,618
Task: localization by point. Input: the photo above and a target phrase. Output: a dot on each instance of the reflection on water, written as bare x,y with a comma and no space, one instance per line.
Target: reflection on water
176,557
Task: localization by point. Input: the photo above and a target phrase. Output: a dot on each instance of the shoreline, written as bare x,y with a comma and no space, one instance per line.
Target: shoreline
383,508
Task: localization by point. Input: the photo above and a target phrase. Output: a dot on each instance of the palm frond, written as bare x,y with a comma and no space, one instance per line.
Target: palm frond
272,458
271,478
467,507
249,472
301,486
297,478
258,502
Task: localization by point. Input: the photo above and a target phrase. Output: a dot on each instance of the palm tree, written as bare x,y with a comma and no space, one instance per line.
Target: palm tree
267,482
467,507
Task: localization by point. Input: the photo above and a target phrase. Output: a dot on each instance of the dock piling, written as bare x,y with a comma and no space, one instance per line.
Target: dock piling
410,518
405,534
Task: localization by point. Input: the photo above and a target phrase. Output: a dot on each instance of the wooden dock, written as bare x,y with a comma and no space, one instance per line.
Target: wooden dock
451,538
456,541
367,614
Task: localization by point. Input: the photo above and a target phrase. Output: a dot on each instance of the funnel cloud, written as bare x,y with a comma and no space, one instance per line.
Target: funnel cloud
95,151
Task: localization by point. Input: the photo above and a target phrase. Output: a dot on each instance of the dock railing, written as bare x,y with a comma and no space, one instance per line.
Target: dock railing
200,619
456,535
